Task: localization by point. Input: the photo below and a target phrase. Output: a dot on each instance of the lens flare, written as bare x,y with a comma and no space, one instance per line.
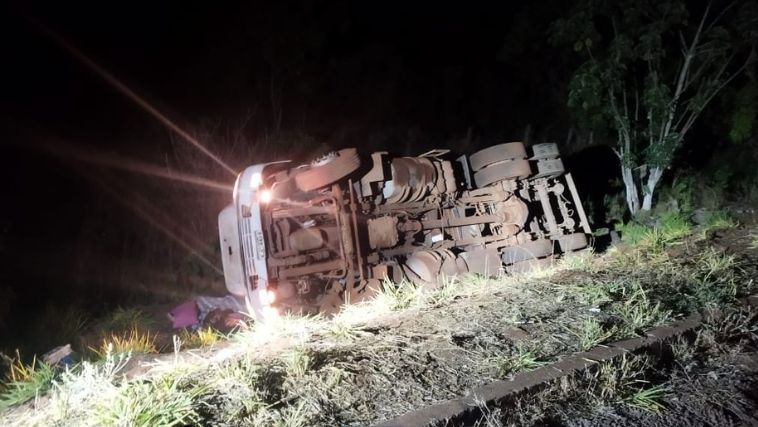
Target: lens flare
270,296
270,313
255,180
265,196
67,151
142,209
125,90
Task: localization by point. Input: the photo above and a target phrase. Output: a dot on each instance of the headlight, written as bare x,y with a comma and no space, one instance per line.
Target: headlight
264,196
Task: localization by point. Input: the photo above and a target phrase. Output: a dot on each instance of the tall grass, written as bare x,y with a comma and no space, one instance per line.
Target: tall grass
134,341
126,319
165,401
25,381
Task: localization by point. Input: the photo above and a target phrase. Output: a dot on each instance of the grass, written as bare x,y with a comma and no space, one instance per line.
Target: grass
524,359
718,220
623,381
753,236
297,362
204,337
649,399
342,329
673,225
451,288
244,387
594,293
126,319
668,227
591,333
633,232
735,326
713,262
25,382
164,401
352,369
637,312
134,341
62,325
579,261
397,297
715,281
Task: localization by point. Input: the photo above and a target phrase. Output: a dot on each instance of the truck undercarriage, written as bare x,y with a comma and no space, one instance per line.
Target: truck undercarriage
308,238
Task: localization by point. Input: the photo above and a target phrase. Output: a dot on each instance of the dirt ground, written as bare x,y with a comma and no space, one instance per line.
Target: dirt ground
410,350
723,392
441,351
714,382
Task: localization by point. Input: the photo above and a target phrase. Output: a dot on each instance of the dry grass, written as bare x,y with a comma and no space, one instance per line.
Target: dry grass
408,347
134,341
25,382
203,337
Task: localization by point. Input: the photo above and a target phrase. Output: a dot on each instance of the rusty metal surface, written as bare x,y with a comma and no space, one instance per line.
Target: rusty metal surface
307,239
497,153
509,169
382,232
418,218
578,203
345,162
535,249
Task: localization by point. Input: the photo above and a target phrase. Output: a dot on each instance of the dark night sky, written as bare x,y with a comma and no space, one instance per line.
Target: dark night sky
440,67
349,71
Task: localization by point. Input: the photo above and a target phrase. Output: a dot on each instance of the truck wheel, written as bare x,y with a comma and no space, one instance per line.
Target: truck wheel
526,251
345,162
497,153
512,169
531,265
572,242
423,268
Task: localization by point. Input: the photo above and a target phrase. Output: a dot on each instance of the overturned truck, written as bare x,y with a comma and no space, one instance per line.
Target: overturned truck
308,238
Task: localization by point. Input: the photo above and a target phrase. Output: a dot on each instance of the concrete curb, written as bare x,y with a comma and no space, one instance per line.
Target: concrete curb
499,391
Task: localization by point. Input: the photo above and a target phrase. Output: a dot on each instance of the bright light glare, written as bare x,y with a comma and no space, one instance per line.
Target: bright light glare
256,180
64,150
265,196
270,313
271,296
127,91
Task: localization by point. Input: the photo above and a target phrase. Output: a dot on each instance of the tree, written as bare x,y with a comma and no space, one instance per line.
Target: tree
647,72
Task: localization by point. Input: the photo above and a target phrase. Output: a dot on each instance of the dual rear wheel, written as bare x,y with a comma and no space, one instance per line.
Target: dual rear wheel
500,162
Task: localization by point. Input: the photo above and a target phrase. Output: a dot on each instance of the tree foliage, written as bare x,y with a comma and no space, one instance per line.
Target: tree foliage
648,70
745,112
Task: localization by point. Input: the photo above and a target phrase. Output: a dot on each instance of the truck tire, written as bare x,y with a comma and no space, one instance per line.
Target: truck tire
345,162
511,169
531,265
526,251
572,242
497,153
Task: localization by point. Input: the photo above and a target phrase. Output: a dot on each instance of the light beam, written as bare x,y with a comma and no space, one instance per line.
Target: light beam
125,90
111,160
